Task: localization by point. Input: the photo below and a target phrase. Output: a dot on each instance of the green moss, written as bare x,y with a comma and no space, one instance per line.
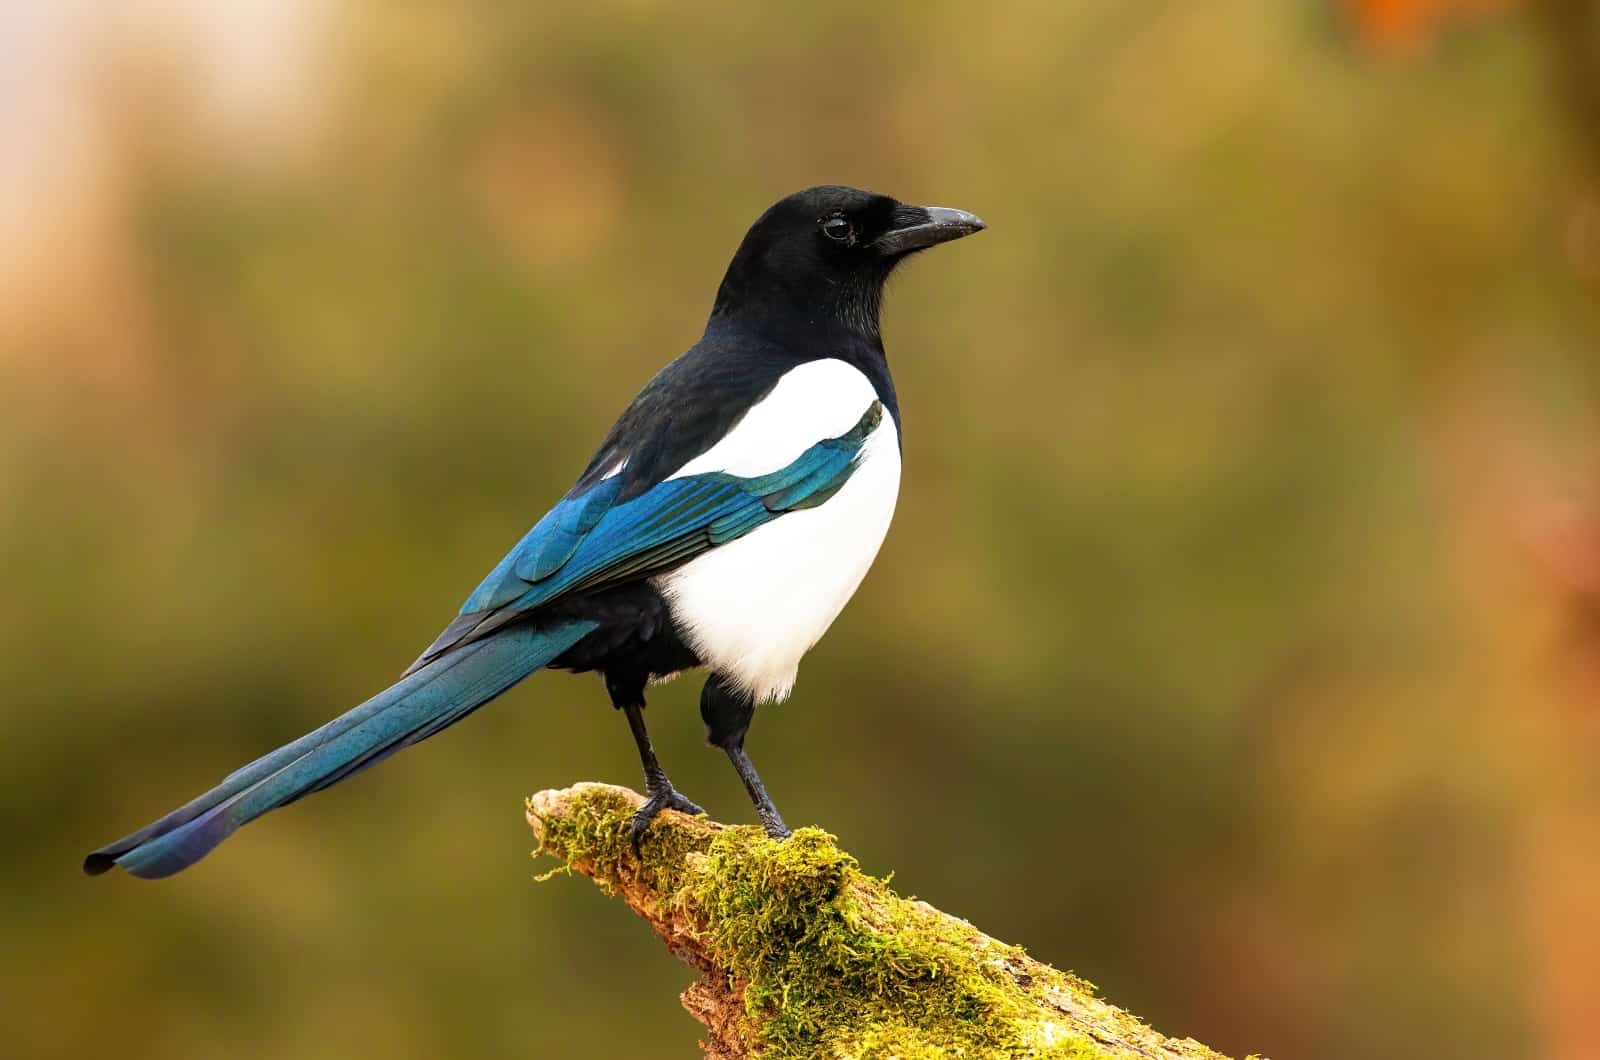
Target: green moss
834,963
594,830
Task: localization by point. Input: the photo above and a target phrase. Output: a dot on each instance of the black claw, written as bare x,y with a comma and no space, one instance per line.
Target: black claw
669,799
684,805
776,829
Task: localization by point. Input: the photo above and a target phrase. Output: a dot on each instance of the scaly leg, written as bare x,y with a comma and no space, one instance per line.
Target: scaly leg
661,794
727,711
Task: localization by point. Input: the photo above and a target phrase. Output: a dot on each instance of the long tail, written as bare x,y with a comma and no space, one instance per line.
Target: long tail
424,702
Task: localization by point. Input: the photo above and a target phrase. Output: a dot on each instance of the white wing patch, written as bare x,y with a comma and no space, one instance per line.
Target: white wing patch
817,400
753,607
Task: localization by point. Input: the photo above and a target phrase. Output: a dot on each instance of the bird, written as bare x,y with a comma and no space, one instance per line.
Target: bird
722,525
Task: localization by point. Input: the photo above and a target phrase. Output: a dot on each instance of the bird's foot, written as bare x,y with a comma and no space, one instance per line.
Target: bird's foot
772,822
668,798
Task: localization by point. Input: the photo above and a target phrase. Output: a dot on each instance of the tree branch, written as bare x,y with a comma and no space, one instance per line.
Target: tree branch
800,954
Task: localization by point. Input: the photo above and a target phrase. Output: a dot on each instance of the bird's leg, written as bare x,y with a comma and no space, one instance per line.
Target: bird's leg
727,711
771,820
661,794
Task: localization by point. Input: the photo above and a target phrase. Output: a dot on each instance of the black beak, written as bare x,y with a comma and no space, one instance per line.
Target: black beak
920,227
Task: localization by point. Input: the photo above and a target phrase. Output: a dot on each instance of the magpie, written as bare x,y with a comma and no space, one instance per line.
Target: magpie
723,524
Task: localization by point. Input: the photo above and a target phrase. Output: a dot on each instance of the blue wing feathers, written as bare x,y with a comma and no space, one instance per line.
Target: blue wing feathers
737,524
589,539
546,548
543,553
830,469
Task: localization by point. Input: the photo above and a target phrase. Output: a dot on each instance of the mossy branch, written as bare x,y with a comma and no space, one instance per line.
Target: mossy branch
800,954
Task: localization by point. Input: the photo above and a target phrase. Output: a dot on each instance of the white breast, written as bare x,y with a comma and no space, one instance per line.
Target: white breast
754,606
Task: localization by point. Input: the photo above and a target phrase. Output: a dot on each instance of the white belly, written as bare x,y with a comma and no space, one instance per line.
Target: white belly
753,607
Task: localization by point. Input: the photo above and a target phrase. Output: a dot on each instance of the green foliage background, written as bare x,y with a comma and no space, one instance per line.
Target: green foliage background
1186,663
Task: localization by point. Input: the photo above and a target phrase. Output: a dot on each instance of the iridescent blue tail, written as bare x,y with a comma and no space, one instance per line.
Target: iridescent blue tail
424,702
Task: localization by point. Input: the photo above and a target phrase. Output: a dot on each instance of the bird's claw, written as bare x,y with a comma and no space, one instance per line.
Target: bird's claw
776,829
670,799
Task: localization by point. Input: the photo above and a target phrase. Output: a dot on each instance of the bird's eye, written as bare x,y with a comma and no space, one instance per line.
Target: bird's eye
838,229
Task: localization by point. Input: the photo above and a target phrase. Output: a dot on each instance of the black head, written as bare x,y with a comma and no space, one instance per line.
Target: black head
823,255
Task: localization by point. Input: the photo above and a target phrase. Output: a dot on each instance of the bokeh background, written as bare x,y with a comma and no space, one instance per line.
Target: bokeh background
1237,643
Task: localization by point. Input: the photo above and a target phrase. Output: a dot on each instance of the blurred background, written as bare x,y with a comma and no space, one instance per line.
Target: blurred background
1237,643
